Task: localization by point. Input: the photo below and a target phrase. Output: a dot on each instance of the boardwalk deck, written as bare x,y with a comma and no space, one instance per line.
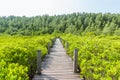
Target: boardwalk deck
57,65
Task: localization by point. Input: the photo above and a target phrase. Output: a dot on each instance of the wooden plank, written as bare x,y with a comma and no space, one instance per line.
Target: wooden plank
58,76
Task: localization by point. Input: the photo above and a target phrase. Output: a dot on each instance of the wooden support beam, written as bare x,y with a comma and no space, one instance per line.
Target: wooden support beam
75,62
39,61
66,46
49,48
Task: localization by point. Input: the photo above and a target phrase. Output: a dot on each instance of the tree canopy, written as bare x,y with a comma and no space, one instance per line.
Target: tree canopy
75,23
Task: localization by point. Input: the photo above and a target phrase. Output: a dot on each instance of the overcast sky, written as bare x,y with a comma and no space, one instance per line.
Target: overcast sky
51,7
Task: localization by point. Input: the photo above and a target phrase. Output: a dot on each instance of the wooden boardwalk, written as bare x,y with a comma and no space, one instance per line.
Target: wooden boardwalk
57,65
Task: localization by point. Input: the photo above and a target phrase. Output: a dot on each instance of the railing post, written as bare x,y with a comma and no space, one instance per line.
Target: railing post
60,39
38,61
49,48
75,62
66,46
53,41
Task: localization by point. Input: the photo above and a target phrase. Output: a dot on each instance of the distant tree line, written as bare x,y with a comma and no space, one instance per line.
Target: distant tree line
75,23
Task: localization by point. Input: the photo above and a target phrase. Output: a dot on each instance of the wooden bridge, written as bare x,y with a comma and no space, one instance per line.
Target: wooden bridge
57,65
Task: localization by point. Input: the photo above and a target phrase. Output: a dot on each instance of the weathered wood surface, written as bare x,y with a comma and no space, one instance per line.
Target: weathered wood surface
57,65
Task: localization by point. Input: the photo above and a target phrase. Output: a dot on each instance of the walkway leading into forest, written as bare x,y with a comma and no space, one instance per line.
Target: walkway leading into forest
57,65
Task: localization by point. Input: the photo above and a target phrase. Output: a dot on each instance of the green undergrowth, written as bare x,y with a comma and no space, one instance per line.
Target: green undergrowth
98,56
18,55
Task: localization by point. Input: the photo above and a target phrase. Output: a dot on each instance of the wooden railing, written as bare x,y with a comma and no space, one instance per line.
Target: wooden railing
75,56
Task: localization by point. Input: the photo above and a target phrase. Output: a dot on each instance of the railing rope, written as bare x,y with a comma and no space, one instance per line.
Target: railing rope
75,61
39,61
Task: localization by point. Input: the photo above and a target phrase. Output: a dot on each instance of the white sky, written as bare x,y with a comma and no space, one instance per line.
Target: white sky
35,7
51,7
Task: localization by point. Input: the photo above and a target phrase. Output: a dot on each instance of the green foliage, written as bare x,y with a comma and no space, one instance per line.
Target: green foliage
117,32
18,55
76,23
98,56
